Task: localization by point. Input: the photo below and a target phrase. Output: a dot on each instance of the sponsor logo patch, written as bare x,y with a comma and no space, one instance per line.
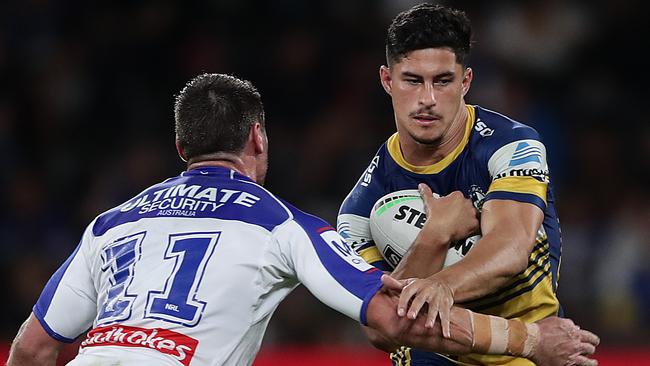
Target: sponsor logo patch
525,153
344,251
177,345
539,174
392,256
367,175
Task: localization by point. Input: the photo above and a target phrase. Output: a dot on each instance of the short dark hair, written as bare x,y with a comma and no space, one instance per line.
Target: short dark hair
214,113
429,26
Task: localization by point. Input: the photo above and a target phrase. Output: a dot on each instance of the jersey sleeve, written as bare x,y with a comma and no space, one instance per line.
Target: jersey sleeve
353,222
327,266
519,171
67,306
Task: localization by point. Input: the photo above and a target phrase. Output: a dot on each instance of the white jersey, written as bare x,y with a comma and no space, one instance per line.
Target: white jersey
190,271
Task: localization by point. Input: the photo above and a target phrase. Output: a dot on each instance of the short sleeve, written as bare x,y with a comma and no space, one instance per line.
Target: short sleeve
67,305
519,172
328,267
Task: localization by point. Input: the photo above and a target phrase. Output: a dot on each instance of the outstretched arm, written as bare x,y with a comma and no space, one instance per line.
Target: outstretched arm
552,341
33,346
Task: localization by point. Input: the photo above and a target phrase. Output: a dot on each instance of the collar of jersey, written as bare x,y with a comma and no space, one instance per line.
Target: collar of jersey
215,170
396,152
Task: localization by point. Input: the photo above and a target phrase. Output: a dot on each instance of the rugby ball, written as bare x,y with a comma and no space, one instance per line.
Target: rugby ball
395,221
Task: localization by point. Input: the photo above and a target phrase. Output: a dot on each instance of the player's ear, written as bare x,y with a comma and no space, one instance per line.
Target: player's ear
467,80
385,78
258,137
181,151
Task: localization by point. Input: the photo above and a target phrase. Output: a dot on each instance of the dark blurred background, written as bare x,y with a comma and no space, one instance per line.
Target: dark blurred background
86,122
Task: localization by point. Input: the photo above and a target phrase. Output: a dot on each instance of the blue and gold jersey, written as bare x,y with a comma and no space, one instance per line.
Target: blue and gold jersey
498,158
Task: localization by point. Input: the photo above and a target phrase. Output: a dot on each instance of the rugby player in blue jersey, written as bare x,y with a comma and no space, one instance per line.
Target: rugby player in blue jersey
490,169
190,271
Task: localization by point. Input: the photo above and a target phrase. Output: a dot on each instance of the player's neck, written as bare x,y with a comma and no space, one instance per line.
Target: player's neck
420,154
229,161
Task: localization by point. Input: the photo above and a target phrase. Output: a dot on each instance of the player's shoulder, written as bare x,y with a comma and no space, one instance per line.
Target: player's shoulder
500,128
307,221
493,130
206,193
372,183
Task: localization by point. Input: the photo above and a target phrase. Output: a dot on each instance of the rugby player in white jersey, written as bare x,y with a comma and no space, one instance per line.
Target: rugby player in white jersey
189,271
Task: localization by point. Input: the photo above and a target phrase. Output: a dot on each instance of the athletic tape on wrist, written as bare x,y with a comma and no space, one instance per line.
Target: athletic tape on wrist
532,330
495,335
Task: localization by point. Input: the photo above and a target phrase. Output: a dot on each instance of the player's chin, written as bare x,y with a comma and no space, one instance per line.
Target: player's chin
427,138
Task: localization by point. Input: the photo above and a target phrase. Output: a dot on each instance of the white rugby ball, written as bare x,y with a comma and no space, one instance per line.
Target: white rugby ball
395,221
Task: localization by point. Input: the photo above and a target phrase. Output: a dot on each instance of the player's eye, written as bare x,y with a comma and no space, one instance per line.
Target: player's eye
413,81
443,82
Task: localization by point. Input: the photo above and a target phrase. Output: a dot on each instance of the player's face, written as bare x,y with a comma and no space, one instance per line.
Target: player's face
427,88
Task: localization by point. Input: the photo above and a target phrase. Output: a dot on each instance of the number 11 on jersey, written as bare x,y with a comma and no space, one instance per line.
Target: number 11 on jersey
177,302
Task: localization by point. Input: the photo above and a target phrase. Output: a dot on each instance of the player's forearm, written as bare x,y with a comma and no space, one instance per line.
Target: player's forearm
33,346
25,357
470,333
493,261
424,258
509,230
382,317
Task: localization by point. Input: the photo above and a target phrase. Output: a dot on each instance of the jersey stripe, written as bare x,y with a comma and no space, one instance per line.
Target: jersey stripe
519,197
540,252
370,254
526,185
514,294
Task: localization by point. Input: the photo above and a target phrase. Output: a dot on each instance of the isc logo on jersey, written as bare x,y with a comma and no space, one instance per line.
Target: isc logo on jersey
395,221
340,247
367,175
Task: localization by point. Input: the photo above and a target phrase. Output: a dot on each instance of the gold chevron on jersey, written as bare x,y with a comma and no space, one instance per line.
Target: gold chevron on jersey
531,300
539,267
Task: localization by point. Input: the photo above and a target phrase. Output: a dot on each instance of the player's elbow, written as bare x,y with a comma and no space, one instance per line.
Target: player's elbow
519,256
23,354
383,340
33,346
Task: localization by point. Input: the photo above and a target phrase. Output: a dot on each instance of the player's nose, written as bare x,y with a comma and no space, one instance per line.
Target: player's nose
427,95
